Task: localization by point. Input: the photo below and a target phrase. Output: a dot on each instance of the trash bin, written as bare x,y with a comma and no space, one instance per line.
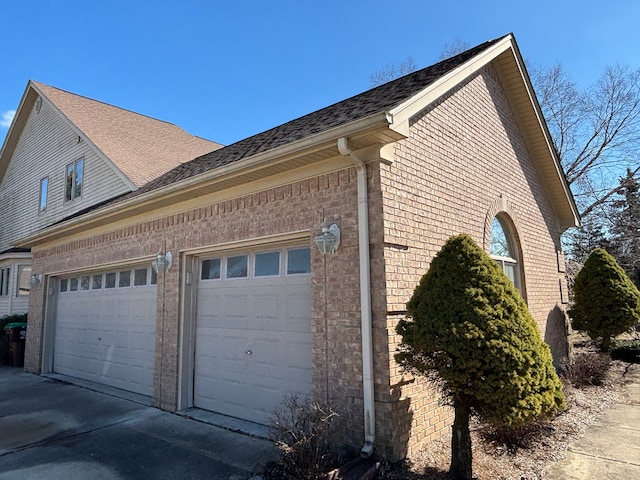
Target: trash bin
16,334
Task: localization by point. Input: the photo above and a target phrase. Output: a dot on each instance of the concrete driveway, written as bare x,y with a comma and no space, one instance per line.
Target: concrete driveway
54,430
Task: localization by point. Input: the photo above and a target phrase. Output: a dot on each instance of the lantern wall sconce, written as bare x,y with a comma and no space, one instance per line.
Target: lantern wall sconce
35,280
329,240
162,263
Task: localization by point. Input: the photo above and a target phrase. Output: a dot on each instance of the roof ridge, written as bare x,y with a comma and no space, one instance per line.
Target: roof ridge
40,84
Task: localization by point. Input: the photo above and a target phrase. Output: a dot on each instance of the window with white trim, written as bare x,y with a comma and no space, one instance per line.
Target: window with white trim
74,178
24,274
267,264
504,251
4,281
44,187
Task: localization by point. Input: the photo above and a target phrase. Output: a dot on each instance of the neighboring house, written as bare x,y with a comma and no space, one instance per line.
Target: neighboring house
250,309
65,154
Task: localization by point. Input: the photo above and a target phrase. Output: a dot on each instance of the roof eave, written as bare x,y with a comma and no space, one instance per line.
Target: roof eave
15,129
187,187
547,161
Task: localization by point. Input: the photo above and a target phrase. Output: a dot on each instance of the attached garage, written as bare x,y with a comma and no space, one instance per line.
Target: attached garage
105,328
253,331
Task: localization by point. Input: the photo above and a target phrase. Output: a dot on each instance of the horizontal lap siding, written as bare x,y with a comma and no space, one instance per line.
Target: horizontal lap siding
465,159
46,146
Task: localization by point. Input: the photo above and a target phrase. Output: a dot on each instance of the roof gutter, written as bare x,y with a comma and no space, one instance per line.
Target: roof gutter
365,299
380,119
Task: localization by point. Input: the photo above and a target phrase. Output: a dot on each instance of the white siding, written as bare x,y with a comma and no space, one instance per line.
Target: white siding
46,146
11,303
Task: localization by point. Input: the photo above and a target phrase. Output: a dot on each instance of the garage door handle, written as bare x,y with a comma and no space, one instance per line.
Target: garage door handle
248,352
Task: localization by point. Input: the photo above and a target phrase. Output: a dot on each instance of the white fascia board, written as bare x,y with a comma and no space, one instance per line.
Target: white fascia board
248,163
15,255
5,155
575,216
407,109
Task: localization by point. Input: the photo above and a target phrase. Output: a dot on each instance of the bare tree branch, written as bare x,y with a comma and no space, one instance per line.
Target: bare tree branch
391,71
596,130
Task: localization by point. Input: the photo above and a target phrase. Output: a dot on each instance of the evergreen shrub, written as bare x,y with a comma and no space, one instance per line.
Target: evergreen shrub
606,301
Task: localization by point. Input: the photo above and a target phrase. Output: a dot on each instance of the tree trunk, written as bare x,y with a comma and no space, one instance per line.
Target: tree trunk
461,441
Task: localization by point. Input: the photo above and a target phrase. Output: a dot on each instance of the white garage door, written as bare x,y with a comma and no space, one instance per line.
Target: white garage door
106,328
253,332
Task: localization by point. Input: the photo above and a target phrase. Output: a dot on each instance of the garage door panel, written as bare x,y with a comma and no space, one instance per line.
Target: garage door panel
107,336
253,344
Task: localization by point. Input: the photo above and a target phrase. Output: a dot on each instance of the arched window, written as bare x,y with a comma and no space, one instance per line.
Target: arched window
504,251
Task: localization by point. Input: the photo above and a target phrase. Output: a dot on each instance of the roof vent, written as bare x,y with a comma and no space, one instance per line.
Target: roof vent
38,104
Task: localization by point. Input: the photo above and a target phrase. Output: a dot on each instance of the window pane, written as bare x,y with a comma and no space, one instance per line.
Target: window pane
124,279
44,187
499,243
154,277
510,271
68,186
64,284
84,283
24,274
4,281
298,261
210,269
110,280
79,178
73,284
267,264
237,266
140,277
96,282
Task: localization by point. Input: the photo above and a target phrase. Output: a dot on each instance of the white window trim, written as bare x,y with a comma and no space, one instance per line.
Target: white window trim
46,194
74,172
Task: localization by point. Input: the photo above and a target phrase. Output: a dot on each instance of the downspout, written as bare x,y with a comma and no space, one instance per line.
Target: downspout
365,299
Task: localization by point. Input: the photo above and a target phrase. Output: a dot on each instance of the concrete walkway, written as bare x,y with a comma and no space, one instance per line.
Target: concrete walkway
57,431
610,448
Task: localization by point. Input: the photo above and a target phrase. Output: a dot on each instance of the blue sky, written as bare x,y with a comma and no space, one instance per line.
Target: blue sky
228,70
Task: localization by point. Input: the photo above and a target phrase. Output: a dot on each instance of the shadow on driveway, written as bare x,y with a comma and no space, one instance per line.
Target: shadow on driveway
54,430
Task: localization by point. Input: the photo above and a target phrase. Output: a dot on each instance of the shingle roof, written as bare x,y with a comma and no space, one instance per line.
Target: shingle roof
378,99
141,147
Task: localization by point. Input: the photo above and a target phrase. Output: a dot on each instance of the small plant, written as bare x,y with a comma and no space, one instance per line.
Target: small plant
511,439
585,369
306,434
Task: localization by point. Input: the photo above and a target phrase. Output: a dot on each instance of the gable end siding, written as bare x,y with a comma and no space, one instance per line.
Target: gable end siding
46,146
464,161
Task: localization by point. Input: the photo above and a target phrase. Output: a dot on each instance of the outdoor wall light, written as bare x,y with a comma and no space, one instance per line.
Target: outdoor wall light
35,280
162,263
329,240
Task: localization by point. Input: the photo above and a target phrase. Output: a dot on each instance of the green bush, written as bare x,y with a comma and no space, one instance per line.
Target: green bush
607,303
468,325
626,350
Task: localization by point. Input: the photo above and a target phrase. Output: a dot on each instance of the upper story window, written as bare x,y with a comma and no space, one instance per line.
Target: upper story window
503,250
73,180
44,187
4,281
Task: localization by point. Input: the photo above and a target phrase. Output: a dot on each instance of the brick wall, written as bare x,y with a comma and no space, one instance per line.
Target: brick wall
337,364
464,162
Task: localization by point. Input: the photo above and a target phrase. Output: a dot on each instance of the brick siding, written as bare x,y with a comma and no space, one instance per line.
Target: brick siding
464,162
